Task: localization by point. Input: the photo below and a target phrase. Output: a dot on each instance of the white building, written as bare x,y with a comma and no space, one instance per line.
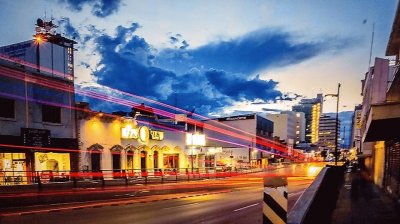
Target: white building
284,125
36,119
245,140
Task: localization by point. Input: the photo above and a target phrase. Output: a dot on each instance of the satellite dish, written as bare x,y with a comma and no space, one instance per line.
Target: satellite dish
40,22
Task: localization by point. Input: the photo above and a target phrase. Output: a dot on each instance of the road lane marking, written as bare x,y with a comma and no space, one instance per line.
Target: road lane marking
181,205
246,207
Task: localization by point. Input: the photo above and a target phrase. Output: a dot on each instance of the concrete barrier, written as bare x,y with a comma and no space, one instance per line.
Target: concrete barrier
318,201
275,200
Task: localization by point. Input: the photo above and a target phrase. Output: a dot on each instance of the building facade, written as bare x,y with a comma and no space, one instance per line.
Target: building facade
380,118
284,125
111,143
312,109
300,127
249,147
38,128
329,133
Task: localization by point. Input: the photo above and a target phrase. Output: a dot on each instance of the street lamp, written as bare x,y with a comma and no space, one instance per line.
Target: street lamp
337,120
193,140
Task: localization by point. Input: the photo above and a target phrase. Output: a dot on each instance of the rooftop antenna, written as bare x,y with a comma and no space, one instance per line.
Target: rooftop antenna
372,43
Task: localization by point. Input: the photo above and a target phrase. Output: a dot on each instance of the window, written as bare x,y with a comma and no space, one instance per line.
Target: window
7,108
51,114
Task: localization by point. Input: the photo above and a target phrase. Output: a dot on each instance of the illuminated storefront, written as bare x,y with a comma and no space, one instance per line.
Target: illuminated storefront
13,167
113,144
53,166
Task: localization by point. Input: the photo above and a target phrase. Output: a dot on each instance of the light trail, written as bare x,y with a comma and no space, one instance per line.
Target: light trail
57,85
62,75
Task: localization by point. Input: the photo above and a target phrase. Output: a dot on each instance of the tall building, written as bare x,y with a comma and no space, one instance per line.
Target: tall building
300,127
284,125
312,109
36,119
328,132
356,128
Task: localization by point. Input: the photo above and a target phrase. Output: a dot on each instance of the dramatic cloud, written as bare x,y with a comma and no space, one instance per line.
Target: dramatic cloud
208,78
100,8
241,89
251,53
68,29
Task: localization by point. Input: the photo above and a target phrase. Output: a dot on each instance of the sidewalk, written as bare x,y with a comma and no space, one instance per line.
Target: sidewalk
360,201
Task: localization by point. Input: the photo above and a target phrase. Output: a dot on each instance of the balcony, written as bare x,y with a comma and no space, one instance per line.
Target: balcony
383,122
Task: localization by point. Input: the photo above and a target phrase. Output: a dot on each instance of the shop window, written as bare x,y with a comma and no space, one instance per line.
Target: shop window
171,161
7,108
13,167
209,160
129,158
143,157
155,155
51,114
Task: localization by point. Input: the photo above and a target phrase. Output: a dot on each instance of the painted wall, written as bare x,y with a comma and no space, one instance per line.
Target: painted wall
379,163
107,133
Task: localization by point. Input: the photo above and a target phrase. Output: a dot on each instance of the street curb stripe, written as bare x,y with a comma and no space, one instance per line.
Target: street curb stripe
277,196
272,207
269,215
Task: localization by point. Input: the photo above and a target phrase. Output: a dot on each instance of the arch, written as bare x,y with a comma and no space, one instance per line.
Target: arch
130,148
165,148
143,147
95,150
96,146
177,148
116,148
155,148
116,159
130,153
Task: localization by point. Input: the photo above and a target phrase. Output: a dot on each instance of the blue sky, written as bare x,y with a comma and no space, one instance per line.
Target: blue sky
216,56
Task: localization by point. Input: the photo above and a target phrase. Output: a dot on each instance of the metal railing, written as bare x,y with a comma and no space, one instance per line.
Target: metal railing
120,176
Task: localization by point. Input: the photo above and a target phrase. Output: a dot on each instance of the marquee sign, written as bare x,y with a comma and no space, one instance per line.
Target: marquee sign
236,118
142,133
157,135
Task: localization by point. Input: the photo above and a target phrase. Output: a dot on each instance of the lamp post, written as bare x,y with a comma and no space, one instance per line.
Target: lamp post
193,140
337,95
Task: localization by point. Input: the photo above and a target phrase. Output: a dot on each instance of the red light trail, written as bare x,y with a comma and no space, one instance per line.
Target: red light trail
69,88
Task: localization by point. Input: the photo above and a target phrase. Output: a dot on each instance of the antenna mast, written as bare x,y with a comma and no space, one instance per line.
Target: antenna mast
372,43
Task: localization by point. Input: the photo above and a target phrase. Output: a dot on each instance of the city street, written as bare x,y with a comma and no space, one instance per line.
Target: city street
233,200
199,111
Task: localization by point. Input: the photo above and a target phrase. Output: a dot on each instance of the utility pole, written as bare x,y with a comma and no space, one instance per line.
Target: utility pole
337,124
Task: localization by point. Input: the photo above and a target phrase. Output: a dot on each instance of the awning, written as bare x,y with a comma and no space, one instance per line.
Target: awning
383,122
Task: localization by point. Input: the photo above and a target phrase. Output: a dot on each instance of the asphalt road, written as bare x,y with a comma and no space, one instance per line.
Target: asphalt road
238,200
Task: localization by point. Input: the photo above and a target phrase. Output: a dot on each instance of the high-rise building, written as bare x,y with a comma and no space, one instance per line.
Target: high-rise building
284,125
327,132
312,109
356,128
300,127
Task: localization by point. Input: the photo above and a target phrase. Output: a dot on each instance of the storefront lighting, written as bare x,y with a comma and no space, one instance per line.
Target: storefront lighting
195,139
144,134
